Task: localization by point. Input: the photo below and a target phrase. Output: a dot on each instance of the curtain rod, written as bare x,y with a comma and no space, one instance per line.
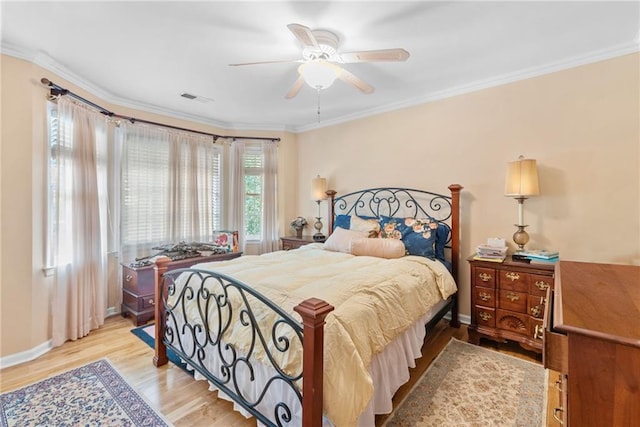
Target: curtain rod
56,90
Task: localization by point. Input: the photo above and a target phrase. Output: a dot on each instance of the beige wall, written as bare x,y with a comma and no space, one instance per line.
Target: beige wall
581,124
24,290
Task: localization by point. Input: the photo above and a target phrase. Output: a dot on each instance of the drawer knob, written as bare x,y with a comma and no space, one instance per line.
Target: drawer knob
513,297
512,276
484,277
485,316
128,277
152,302
484,296
542,285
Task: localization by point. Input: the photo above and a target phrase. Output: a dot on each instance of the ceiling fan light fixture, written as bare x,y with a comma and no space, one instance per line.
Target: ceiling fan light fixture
319,74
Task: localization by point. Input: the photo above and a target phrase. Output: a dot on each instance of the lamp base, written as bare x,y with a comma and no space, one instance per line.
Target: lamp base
318,226
520,237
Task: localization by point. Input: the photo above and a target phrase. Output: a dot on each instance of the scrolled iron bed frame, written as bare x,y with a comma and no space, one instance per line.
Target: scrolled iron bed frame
196,341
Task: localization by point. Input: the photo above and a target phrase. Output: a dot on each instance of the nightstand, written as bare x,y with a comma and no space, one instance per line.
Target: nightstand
508,301
293,242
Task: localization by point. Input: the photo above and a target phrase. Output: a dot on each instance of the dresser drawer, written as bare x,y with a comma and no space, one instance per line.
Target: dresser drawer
485,277
512,321
140,281
485,296
539,284
514,280
485,316
513,301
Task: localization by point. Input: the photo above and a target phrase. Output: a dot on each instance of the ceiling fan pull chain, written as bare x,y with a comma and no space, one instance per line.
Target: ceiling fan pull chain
318,89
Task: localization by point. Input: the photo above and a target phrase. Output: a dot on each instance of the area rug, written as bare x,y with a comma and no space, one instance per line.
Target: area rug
91,395
467,385
147,334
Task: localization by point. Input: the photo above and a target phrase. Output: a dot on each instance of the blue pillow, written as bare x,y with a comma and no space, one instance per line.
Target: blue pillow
342,221
419,237
391,228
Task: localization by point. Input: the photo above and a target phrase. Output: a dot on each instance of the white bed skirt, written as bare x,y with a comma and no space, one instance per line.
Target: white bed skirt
389,370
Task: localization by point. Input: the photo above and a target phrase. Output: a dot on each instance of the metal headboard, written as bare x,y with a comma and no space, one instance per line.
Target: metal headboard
403,202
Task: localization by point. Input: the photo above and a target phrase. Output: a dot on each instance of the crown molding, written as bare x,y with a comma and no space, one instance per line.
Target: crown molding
50,64
576,61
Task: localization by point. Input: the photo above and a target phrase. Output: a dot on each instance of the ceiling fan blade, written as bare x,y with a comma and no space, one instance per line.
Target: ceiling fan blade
295,88
348,77
304,35
267,62
383,55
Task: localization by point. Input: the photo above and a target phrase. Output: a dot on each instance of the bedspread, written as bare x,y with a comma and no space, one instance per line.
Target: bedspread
375,300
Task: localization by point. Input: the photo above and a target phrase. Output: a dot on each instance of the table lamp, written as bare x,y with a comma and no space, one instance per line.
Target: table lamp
318,194
521,183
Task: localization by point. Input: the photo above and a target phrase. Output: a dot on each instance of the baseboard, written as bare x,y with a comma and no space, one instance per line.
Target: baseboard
463,318
39,350
25,356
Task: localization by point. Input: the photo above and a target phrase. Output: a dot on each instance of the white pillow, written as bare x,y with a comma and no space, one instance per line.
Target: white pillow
381,248
340,239
370,226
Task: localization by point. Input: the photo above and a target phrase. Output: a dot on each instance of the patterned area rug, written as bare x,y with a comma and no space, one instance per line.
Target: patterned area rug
469,386
92,395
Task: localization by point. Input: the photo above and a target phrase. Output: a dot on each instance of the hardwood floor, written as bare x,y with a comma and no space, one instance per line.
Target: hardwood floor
174,393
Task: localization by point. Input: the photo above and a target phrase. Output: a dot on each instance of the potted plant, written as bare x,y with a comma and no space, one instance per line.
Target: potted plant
298,224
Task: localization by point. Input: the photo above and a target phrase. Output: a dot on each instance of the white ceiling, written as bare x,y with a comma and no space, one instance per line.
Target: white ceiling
145,54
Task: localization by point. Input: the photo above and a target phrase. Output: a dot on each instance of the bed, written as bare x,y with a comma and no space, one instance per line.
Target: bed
316,336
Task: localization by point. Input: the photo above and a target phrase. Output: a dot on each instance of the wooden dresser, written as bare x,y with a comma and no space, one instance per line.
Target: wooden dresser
508,301
292,242
138,292
592,338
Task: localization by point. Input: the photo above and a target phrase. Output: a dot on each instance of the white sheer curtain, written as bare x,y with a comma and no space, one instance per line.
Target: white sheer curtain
79,204
270,239
235,197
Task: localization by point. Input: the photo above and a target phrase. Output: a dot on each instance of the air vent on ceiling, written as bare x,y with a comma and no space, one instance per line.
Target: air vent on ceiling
191,96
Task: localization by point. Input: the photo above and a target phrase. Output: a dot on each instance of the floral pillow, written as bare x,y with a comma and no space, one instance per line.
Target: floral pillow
367,224
418,235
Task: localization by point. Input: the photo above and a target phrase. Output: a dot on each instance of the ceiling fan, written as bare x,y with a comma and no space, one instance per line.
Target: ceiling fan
320,59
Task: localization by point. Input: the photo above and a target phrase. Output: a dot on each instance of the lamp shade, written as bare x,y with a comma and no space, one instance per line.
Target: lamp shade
318,188
522,178
319,74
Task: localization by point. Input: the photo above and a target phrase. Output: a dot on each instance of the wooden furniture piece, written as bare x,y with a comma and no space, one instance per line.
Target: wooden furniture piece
308,404
138,291
592,337
508,300
293,242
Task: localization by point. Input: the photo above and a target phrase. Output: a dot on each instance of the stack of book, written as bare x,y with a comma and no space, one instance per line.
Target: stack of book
490,253
538,256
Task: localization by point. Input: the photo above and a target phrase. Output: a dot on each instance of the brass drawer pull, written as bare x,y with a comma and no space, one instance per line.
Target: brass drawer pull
536,311
484,277
512,276
485,316
128,277
542,285
513,297
555,416
558,385
538,332
484,296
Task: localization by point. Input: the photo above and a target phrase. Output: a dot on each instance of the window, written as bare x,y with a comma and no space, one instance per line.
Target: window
253,179
171,189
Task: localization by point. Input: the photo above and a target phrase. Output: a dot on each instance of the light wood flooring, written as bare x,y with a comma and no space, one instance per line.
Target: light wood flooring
183,401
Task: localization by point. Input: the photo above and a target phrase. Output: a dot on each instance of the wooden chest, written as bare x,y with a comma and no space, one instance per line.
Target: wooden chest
138,287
